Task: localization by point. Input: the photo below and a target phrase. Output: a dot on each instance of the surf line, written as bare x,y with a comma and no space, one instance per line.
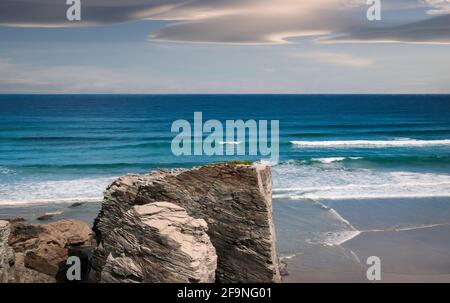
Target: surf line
406,228
371,143
344,235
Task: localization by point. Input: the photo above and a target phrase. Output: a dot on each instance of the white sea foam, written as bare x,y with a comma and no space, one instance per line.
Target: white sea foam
306,182
340,237
333,159
414,227
293,181
328,160
334,230
53,213
336,238
6,171
49,201
23,192
372,143
267,162
230,142
288,257
407,227
340,218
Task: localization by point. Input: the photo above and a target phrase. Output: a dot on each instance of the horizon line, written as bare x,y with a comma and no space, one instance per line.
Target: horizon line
229,94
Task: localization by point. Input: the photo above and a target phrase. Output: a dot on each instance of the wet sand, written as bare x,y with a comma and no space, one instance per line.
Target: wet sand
331,241
85,212
410,236
419,255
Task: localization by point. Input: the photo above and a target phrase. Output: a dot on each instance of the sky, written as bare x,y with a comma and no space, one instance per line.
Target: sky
225,46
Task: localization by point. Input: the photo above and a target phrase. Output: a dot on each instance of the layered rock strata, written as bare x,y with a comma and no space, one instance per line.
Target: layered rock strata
158,242
233,199
6,254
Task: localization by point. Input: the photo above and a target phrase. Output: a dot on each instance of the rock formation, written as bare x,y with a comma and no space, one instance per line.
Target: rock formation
42,250
234,200
24,274
6,254
159,242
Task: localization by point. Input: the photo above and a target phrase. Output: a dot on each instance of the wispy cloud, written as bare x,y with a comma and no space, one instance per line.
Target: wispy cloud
74,79
438,7
336,59
244,21
435,30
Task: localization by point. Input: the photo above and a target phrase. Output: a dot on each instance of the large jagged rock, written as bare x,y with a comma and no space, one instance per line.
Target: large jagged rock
6,254
159,242
235,201
42,250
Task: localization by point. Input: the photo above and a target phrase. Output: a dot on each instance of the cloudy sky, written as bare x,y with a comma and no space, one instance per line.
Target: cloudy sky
225,46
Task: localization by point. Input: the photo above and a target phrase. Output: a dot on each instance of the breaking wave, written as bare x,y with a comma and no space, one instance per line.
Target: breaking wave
372,143
230,142
24,192
334,159
295,181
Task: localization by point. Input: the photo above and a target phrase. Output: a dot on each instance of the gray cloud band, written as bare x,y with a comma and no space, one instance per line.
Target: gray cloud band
435,30
248,21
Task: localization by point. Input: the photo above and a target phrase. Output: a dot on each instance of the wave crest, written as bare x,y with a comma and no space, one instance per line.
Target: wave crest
24,192
372,143
294,181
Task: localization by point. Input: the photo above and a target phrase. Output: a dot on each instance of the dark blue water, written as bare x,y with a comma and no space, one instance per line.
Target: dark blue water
67,147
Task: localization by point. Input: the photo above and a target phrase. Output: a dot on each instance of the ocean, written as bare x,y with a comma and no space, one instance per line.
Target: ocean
357,176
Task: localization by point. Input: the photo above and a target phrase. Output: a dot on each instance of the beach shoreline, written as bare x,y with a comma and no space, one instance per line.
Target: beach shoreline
411,252
413,246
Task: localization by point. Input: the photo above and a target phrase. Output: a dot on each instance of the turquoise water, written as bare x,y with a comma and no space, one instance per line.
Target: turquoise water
64,148
357,175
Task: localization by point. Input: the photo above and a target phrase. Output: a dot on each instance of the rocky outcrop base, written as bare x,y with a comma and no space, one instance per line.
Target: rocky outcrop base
41,251
234,201
6,254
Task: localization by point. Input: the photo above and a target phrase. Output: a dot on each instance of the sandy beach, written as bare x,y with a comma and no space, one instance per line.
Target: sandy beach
413,244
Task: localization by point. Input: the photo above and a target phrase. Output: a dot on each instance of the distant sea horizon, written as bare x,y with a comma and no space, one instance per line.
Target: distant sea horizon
220,94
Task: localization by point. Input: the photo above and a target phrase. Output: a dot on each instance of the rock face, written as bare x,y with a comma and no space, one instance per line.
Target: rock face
28,275
159,242
234,200
6,254
41,250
